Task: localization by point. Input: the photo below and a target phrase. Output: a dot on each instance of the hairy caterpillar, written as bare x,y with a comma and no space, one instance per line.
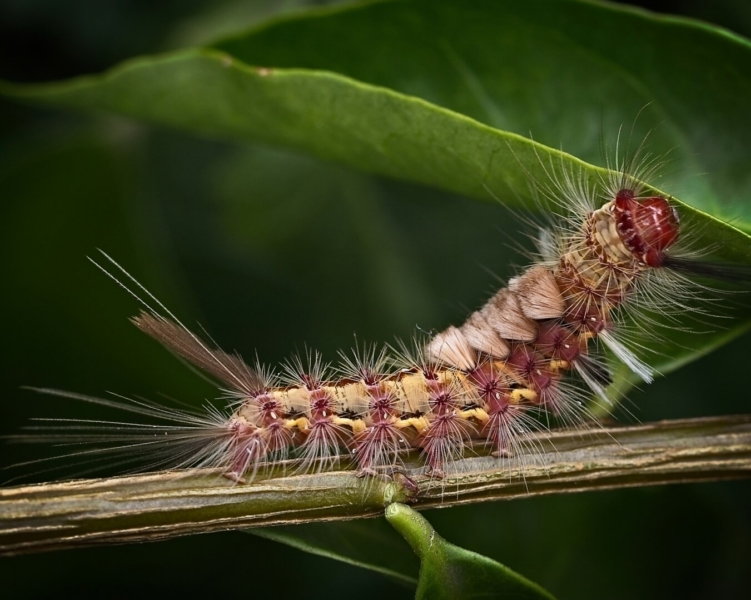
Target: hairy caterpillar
528,355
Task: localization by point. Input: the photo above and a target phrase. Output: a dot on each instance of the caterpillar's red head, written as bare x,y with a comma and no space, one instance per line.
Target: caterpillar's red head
647,226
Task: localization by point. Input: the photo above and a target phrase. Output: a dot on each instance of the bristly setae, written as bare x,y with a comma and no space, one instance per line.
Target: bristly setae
531,356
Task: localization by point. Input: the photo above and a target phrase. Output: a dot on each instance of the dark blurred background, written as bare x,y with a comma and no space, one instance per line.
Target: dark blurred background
269,250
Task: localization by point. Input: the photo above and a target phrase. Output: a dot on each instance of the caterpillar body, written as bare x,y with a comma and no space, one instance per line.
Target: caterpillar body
530,356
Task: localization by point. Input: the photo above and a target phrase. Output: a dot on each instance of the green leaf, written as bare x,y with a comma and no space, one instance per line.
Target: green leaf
336,118
447,571
564,71
370,544
546,67
326,114
503,81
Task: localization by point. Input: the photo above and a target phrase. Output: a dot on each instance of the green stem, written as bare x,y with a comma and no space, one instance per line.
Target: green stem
161,505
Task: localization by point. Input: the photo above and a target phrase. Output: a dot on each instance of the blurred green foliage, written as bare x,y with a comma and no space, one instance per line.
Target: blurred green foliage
270,250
